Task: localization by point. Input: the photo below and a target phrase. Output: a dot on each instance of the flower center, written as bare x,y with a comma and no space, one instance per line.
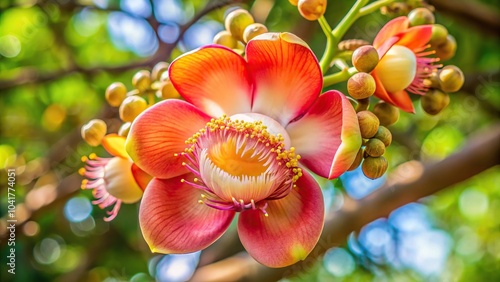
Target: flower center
397,69
238,164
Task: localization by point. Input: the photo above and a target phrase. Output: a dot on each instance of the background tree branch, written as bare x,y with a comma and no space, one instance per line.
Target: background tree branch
408,183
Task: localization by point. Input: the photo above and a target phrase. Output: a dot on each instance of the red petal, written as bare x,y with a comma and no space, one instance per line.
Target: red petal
291,230
141,177
115,145
172,220
390,29
159,133
287,76
213,78
327,137
400,99
416,37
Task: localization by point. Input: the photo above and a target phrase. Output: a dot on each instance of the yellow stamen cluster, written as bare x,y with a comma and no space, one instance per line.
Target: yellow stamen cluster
254,130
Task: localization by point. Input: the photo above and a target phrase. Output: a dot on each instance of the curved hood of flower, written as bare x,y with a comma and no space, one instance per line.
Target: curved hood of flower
238,144
406,65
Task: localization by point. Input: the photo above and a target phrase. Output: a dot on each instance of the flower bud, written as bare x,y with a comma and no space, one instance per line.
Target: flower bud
131,107
294,2
374,147
312,9
365,58
357,160
451,79
141,80
439,34
115,93
383,134
237,21
124,129
253,30
434,101
446,50
368,124
167,91
421,16
361,85
351,44
432,81
395,9
158,70
93,132
386,113
225,38
374,168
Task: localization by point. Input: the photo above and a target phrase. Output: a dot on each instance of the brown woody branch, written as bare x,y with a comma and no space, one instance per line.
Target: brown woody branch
408,184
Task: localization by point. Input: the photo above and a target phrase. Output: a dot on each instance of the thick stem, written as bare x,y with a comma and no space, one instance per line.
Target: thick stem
348,20
373,7
331,47
481,153
340,76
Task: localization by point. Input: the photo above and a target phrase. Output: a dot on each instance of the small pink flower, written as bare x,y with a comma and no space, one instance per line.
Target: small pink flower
403,62
113,180
239,143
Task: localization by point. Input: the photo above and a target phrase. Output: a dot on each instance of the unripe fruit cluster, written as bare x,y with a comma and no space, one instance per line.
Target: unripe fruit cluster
240,28
376,139
447,80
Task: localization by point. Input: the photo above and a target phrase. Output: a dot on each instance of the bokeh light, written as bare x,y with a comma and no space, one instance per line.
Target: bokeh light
77,209
339,262
10,46
357,185
173,268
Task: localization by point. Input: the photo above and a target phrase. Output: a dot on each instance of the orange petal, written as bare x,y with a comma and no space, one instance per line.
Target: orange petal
380,91
291,229
159,133
172,220
115,145
403,101
141,177
416,37
390,29
214,79
286,73
327,137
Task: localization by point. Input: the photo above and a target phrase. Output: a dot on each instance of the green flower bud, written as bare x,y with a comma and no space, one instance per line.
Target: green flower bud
447,49
386,113
237,21
141,80
374,168
439,34
365,58
115,93
451,79
368,124
421,16
124,129
312,9
374,147
93,132
253,30
434,101
357,160
158,70
361,85
383,134
225,38
131,107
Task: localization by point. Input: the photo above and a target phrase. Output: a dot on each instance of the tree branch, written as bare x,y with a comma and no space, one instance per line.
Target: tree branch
407,184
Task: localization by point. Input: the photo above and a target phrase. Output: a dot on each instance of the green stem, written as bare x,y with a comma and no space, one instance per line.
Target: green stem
368,9
330,46
339,76
348,20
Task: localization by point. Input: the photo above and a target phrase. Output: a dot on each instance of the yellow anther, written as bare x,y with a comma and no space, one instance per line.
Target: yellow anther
200,202
84,158
184,164
183,180
92,156
195,179
176,155
81,171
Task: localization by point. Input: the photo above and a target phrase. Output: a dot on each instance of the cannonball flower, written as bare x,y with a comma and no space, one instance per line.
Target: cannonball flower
239,143
403,62
113,180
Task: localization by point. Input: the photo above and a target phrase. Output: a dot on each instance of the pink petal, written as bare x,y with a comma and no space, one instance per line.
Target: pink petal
390,29
172,220
291,230
115,145
327,137
287,76
141,178
214,79
159,133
